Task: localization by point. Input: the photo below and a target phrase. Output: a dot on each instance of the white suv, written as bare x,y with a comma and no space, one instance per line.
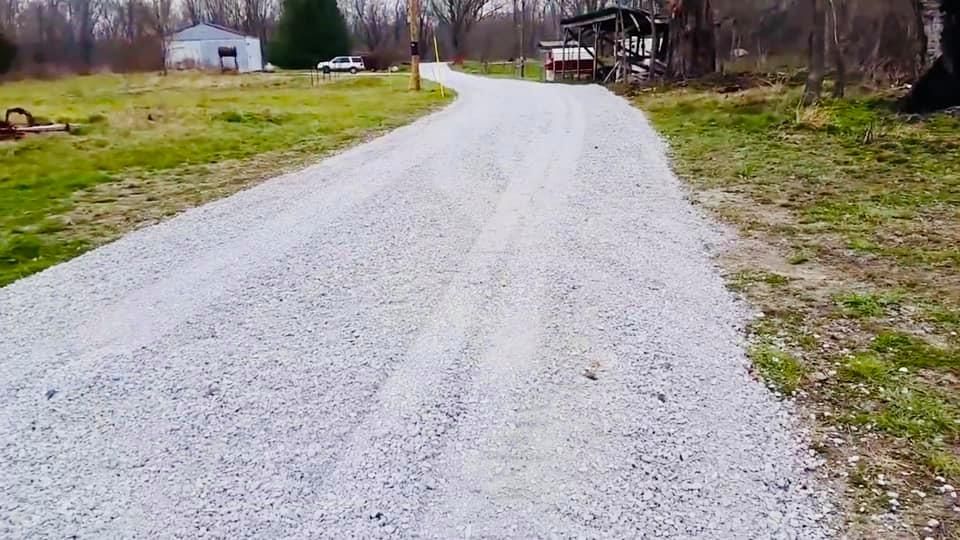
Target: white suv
352,64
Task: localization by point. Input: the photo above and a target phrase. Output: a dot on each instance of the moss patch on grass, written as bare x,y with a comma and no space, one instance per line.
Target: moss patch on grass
149,146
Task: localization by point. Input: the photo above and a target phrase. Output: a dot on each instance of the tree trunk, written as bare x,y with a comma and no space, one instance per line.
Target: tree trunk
838,37
932,19
693,42
814,86
939,87
456,43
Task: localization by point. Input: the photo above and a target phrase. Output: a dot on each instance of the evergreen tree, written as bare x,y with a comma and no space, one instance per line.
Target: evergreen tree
309,31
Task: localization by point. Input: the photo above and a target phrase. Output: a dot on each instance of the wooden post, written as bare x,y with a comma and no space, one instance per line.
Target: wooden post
596,49
413,8
654,46
523,55
616,53
579,47
563,55
623,46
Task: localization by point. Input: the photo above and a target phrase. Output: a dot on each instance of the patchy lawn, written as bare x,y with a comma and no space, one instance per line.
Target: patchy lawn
533,69
850,246
150,146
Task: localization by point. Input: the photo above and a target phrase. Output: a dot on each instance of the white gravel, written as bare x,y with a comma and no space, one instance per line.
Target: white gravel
500,321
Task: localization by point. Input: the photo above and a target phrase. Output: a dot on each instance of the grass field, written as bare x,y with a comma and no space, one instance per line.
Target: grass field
150,146
850,222
533,70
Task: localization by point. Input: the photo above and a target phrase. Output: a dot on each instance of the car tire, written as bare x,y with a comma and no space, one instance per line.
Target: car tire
353,71
326,70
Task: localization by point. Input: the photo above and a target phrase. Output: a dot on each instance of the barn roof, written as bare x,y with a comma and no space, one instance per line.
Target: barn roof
550,44
636,21
206,31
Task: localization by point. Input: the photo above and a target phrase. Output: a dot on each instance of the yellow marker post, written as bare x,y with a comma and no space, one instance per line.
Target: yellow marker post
436,62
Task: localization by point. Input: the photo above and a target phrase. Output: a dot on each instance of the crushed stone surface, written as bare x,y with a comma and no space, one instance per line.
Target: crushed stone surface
501,321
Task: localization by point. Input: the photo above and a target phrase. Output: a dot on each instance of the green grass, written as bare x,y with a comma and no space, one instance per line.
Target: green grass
914,414
533,70
903,407
906,350
148,146
866,304
943,463
780,369
869,367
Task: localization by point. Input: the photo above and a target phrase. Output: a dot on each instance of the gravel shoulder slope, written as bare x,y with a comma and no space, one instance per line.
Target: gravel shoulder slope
500,321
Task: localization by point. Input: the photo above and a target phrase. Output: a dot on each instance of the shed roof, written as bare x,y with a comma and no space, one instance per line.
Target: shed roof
550,44
206,31
637,21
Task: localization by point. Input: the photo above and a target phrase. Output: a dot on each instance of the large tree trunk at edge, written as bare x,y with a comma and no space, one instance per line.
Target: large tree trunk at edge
692,40
931,19
939,87
817,42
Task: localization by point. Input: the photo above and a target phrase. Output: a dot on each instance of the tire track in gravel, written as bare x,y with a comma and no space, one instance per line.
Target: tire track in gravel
422,404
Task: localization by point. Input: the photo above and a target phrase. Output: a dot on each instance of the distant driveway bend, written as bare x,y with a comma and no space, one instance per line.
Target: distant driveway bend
501,321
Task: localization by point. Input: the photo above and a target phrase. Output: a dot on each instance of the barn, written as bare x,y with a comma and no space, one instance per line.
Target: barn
197,46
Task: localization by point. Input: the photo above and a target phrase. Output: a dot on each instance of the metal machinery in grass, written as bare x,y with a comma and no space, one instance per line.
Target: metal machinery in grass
610,44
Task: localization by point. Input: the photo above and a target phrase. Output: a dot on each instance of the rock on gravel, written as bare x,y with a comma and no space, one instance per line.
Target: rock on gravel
393,343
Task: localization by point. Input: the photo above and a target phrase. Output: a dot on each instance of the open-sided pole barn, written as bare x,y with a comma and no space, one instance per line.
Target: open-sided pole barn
623,44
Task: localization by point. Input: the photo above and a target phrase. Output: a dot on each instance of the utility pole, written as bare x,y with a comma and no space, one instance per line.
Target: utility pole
413,8
523,56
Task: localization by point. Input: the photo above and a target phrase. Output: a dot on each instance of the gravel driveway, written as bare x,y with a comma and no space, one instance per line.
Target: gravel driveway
500,321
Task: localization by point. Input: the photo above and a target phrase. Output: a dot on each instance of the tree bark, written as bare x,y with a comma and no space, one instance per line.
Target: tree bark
838,37
817,41
932,19
939,87
693,42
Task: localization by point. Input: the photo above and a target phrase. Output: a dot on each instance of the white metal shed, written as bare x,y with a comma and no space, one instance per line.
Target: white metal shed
197,46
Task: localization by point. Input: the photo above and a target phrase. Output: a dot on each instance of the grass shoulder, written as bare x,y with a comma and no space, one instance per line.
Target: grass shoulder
850,220
148,147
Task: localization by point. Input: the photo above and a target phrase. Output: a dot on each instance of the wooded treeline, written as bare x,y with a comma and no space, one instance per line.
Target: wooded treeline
880,39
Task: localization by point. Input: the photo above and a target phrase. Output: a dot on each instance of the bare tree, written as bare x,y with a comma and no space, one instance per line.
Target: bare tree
163,25
814,86
370,22
84,16
574,7
193,11
9,12
257,17
223,12
693,45
838,40
459,16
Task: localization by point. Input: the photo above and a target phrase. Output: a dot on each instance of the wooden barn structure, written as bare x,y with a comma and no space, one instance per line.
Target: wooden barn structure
622,44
